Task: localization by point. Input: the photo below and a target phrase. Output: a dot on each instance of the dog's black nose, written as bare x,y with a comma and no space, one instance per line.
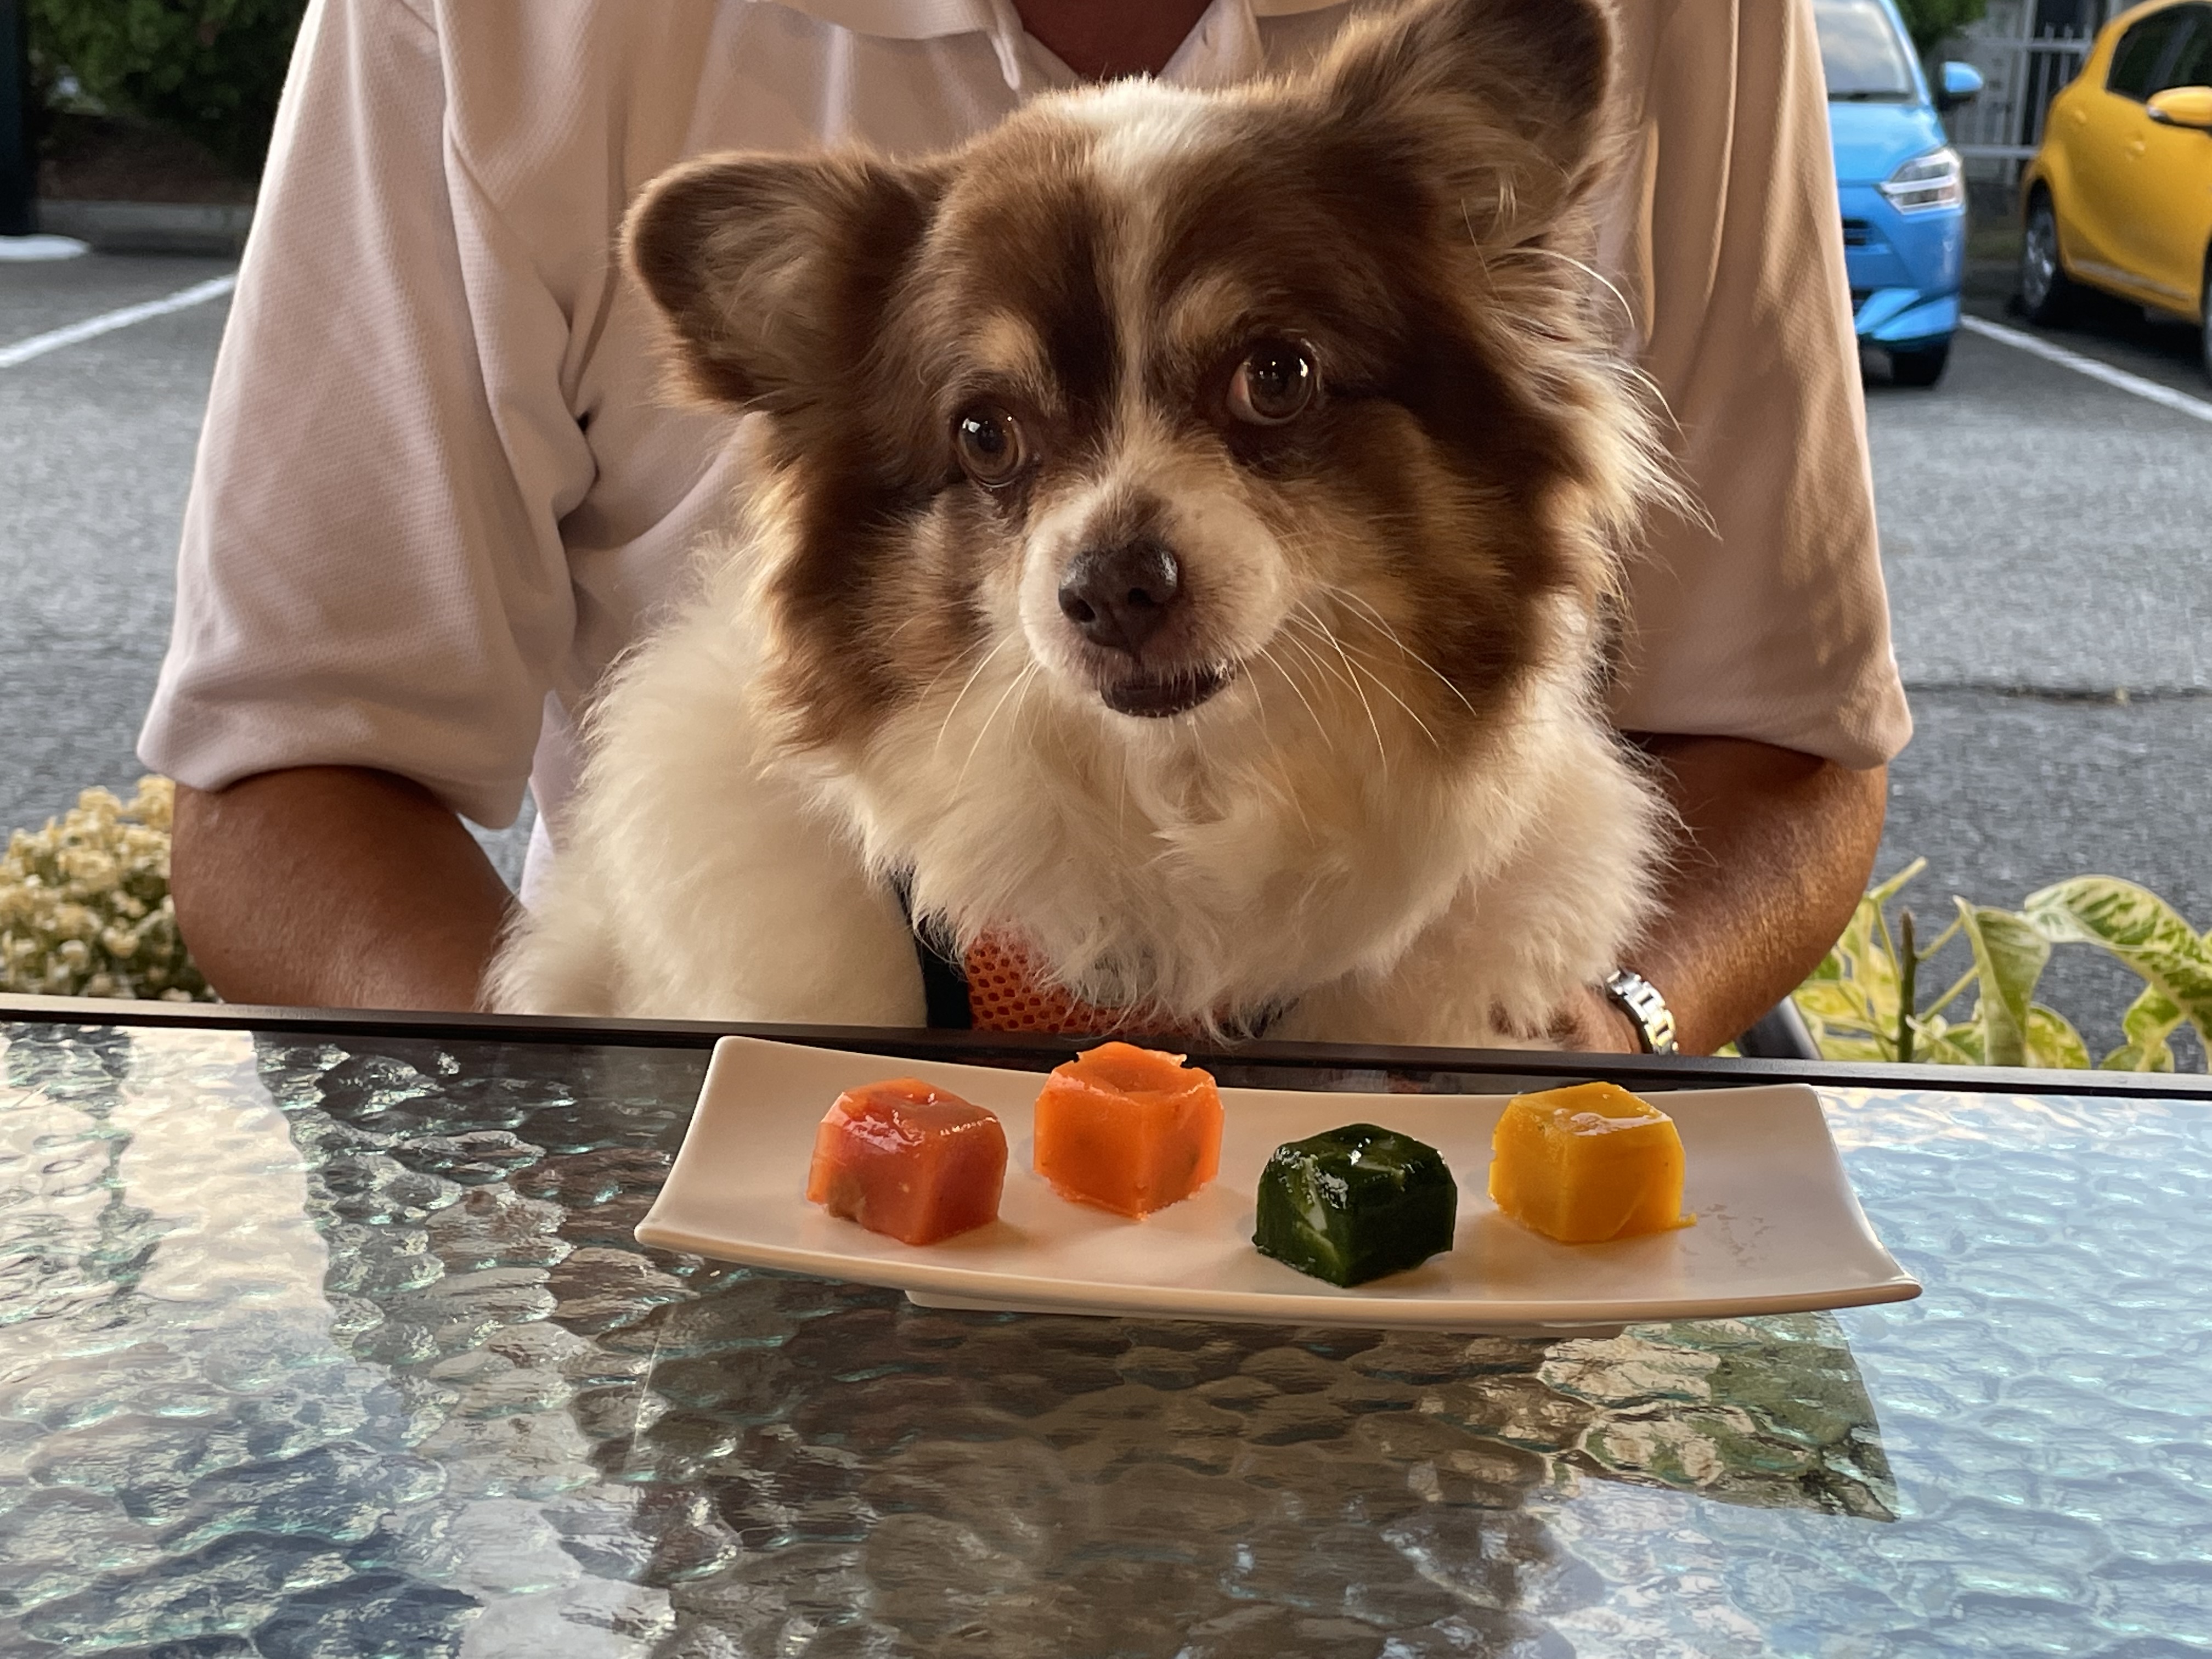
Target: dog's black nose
1118,597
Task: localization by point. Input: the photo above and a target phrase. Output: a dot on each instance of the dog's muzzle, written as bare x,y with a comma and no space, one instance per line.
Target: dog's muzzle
1126,601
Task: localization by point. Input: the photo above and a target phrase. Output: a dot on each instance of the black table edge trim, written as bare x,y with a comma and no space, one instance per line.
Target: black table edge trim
1653,1071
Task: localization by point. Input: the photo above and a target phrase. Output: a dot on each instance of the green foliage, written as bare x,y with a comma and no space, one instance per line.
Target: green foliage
209,68
2146,933
1862,1002
2009,958
1930,21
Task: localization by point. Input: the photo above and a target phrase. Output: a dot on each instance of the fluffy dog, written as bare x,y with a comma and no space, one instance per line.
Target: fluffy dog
1181,561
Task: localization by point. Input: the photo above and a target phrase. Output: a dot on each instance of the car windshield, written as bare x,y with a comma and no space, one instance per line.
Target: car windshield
1865,58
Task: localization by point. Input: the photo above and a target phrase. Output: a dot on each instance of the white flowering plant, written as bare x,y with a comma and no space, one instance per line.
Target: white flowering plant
84,903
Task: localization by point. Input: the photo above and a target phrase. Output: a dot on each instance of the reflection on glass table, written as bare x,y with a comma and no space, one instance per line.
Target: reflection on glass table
323,1342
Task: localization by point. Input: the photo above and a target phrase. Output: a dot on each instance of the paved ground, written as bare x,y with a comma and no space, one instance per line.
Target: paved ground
95,453
2043,535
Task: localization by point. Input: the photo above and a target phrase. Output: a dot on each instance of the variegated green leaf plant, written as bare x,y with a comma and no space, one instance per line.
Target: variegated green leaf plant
1862,1002
2148,934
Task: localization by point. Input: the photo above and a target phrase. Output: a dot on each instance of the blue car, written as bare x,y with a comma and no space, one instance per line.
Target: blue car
1904,189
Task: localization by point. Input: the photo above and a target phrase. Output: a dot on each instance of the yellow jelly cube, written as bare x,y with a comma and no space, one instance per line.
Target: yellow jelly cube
1587,1162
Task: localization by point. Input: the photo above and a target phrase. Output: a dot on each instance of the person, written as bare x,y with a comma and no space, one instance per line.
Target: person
437,492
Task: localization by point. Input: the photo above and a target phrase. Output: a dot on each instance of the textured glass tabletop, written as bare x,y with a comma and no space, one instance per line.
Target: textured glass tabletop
343,1348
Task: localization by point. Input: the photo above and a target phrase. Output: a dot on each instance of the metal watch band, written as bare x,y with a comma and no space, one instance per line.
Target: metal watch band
1639,999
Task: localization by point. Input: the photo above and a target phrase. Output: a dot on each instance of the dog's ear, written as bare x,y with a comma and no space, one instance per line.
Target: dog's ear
774,271
1459,76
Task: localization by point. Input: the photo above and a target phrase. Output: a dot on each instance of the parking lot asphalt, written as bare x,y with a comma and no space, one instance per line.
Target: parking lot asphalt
2042,536
96,447
2153,345
35,296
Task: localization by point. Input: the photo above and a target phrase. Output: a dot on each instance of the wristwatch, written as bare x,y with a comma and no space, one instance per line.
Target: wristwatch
1639,999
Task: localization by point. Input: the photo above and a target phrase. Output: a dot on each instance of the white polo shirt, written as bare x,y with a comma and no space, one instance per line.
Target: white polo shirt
437,492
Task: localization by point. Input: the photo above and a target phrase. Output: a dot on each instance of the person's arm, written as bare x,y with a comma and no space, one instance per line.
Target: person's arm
1777,848
333,887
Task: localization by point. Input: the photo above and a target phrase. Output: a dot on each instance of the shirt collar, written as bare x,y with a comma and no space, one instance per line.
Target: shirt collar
1225,47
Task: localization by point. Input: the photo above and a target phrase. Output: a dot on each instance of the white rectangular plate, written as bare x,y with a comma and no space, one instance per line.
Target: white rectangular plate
1778,1228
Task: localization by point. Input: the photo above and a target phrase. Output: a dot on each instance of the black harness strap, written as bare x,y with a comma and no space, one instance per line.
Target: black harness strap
944,982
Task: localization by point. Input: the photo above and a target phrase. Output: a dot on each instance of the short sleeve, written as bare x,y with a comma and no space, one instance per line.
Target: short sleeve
371,571
1765,617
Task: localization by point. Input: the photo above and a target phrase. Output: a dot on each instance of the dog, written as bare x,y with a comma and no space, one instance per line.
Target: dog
1181,571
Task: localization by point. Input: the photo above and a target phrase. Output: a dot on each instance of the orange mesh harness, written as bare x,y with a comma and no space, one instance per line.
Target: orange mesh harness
1006,992
996,985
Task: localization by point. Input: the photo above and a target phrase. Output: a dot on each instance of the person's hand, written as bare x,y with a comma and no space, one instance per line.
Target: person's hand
1594,1024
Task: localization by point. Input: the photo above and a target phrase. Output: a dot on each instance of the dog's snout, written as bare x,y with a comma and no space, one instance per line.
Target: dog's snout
1118,597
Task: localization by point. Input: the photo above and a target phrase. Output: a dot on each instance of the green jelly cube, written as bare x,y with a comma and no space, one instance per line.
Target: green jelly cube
1355,1203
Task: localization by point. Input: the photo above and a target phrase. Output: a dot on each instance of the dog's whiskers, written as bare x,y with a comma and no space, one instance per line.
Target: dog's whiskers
1381,749
1321,663
1364,611
1268,655
1020,682
1383,686
1189,724
1260,702
957,658
945,725
956,661
1323,667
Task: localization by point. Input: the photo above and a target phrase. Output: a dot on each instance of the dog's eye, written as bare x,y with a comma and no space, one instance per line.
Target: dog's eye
990,445
1272,385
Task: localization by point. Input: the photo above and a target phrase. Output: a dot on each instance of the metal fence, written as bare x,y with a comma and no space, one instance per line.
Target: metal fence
2005,123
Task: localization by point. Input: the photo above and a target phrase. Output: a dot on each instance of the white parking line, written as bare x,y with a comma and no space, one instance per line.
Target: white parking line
2194,408
108,322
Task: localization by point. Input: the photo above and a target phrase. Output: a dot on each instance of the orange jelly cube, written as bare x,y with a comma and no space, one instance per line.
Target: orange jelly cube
1129,1129
908,1159
1588,1163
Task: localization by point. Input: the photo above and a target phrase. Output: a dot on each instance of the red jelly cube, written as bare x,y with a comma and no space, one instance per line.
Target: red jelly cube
909,1160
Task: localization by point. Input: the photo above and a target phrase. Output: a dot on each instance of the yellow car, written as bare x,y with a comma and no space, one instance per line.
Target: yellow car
2119,196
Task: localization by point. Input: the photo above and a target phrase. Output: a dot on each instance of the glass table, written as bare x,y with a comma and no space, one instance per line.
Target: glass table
325,1335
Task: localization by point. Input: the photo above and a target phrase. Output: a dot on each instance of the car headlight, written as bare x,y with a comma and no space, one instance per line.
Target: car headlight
1937,180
